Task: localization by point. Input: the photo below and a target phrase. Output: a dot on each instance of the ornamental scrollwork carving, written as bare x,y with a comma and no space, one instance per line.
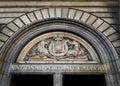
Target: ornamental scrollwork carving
58,47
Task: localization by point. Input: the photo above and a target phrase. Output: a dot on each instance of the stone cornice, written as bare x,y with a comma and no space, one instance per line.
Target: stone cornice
37,3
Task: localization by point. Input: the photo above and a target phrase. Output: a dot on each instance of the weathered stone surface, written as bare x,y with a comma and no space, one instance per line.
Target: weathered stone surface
18,9
71,13
98,9
116,64
4,78
58,12
61,3
85,17
111,20
52,12
7,31
78,15
5,20
62,47
64,0
57,67
109,31
3,37
13,27
97,23
18,22
1,43
111,79
114,36
118,50
38,14
91,19
65,13
45,13
104,26
74,14
116,43
10,15
31,17
25,19
101,14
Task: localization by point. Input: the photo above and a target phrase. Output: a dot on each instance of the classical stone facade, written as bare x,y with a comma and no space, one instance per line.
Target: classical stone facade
58,38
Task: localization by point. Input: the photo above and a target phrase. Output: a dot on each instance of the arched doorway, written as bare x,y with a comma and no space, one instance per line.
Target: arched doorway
61,48
69,34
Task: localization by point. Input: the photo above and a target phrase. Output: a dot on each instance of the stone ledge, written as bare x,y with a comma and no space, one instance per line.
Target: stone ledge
53,3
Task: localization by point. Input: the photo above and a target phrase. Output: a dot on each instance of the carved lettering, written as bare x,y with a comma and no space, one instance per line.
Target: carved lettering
68,68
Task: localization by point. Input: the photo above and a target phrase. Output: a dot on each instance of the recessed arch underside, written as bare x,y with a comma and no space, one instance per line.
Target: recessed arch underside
15,35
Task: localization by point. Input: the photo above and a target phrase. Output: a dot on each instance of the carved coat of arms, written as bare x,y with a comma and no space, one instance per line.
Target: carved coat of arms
58,47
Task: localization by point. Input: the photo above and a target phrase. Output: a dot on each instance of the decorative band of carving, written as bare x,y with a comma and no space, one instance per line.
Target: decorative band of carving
57,46
54,68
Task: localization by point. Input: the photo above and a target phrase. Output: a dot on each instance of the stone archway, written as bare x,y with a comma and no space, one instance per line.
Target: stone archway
88,26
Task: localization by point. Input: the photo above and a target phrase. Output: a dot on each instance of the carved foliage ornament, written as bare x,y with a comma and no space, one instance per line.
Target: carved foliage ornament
56,46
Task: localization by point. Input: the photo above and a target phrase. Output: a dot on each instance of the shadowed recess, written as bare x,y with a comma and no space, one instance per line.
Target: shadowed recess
84,80
31,80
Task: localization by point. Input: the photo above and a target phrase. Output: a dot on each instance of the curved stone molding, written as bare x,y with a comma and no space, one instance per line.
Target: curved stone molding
100,34
59,12
58,47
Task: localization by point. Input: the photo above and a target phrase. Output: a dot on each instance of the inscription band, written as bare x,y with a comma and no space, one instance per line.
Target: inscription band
55,68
